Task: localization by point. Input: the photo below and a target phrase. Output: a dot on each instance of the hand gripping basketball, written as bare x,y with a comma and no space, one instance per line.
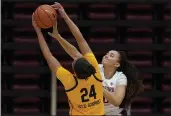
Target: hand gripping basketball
60,9
34,23
45,16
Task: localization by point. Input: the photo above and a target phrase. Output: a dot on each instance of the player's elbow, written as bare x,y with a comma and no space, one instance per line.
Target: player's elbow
79,38
77,55
48,57
117,101
53,63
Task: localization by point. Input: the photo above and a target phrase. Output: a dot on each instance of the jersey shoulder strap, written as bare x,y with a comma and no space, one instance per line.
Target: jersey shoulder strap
68,90
97,78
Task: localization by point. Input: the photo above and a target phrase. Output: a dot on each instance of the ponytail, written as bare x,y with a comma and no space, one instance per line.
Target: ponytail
134,79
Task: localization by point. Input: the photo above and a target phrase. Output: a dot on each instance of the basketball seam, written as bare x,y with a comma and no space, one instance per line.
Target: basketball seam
47,15
39,18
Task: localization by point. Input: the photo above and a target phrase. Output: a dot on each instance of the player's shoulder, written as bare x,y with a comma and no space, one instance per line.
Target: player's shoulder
120,75
121,79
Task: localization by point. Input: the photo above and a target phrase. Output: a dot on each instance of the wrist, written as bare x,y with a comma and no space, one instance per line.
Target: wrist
38,31
58,36
66,18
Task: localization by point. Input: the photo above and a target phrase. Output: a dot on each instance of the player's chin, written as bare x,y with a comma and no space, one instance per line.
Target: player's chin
104,62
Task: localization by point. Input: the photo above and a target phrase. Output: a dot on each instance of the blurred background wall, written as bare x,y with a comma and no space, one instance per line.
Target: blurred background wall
139,27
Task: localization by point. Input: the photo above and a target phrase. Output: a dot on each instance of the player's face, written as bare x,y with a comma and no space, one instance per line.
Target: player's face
111,59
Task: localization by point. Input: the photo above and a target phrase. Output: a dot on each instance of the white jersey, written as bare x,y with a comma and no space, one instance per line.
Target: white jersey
110,84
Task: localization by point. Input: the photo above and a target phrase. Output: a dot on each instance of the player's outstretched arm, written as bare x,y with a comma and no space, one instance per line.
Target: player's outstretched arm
70,49
51,60
84,47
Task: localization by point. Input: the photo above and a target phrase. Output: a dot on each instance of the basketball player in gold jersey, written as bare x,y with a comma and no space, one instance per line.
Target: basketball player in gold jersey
84,87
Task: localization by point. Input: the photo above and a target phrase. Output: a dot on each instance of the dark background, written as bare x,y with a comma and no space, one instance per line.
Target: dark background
139,27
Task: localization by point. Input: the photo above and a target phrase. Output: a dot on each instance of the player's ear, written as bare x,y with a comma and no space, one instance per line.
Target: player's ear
117,64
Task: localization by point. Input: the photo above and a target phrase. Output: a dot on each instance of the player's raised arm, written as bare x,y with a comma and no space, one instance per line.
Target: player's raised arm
84,47
70,49
51,60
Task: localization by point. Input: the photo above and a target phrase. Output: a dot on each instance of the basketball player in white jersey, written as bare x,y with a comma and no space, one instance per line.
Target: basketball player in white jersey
121,81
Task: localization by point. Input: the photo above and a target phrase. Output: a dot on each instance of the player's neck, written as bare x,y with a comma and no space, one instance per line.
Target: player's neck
109,72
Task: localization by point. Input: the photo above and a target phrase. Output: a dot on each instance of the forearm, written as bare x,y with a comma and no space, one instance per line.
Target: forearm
83,45
111,98
74,29
43,45
69,48
51,60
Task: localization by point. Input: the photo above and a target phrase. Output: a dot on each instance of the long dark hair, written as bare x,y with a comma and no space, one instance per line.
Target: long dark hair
134,79
83,69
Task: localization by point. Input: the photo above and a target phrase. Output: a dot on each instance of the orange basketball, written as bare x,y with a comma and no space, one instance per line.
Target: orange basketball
45,16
